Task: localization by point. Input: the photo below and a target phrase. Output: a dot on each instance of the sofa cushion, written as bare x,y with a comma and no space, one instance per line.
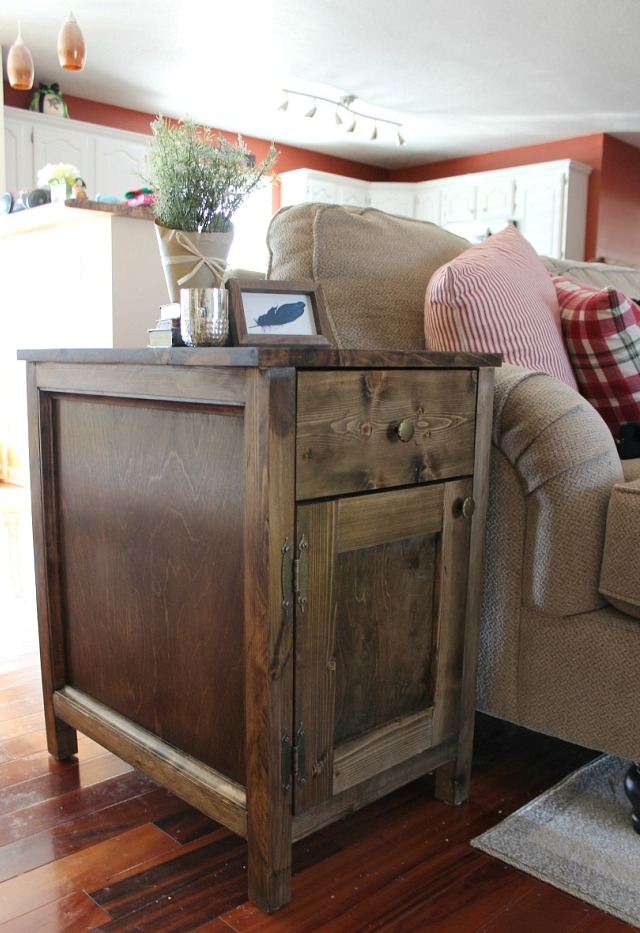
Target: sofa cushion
602,332
619,578
598,274
497,296
373,267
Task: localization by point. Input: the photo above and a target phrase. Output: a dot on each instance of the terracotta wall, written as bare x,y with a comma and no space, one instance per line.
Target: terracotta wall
619,217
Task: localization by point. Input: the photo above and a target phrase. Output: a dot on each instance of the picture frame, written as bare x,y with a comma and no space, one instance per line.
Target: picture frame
278,314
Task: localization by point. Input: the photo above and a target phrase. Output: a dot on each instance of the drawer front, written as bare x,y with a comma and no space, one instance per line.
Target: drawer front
372,429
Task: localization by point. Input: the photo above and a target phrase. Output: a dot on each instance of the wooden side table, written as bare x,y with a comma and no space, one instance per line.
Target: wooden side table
259,574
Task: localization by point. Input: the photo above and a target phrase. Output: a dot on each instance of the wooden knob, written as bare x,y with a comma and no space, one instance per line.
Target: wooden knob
468,507
405,430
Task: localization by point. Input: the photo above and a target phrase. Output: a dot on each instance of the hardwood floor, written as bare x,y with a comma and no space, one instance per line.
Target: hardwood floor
92,844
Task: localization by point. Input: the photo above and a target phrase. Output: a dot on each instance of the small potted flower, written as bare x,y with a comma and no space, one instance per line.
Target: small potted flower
199,179
60,178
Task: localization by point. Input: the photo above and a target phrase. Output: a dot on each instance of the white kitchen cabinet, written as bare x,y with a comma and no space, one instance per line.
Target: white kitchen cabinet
393,197
303,185
547,201
108,159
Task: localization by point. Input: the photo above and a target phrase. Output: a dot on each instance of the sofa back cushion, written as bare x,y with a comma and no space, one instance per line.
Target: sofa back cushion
601,327
373,268
498,297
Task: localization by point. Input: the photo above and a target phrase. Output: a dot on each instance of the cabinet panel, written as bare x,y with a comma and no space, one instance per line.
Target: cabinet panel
348,424
18,154
117,165
458,203
374,644
496,198
541,213
64,144
395,198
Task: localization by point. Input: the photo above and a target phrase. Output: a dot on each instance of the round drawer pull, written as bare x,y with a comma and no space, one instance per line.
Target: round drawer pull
468,507
405,430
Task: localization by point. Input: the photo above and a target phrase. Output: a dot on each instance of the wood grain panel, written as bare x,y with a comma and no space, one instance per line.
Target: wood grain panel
347,421
150,511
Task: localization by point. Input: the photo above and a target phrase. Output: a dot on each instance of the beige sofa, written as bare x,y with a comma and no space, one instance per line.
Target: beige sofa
560,640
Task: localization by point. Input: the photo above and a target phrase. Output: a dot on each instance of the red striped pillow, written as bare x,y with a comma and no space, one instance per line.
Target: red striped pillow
498,297
602,330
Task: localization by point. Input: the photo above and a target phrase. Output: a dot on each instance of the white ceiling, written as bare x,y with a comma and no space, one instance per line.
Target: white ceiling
462,76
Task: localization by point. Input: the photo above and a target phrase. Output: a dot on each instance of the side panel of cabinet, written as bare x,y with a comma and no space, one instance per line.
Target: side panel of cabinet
378,646
118,164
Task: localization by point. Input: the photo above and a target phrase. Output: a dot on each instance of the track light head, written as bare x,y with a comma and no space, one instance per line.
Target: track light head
313,111
401,139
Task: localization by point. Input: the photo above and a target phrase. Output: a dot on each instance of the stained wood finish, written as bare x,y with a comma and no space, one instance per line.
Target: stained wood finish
181,628
347,424
91,844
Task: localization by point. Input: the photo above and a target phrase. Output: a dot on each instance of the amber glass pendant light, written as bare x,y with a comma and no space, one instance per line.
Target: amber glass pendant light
20,65
72,51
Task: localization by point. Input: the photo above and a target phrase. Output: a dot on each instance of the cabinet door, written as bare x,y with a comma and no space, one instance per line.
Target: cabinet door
428,198
395,198
18,155
458,202
496,198
118,163
541,212
379,632
63,144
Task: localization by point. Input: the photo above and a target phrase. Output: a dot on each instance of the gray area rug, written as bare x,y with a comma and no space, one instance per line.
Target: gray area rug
578,837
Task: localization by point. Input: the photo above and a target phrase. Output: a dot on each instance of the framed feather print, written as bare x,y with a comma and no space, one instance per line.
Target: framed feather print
278,314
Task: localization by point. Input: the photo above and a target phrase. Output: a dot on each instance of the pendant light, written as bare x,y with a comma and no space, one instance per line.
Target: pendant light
20,65
72,50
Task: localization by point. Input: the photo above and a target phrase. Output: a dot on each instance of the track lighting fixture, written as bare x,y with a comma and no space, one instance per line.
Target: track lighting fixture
342,109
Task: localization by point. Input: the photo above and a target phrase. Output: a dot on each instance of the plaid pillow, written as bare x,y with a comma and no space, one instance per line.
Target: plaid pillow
601,328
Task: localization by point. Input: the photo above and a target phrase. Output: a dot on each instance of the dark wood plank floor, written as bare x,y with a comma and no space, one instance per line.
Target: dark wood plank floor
92,844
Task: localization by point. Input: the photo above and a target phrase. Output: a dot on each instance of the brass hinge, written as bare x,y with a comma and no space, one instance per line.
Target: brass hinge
293,759
295,574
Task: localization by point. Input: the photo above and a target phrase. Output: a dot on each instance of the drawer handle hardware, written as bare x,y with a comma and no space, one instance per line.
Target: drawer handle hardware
468,507
405,430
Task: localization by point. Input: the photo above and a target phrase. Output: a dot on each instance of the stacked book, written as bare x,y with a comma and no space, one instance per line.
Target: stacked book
166,332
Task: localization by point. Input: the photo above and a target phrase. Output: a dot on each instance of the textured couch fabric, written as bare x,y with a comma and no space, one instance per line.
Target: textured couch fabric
555,655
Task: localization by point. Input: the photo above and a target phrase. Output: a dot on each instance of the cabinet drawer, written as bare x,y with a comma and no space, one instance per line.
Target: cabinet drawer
348,437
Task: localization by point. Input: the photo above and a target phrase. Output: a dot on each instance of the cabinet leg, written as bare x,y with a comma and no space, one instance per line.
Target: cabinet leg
62,739
452,782
632,790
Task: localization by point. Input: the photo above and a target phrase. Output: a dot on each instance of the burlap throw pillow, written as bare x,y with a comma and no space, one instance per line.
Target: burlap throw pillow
373,267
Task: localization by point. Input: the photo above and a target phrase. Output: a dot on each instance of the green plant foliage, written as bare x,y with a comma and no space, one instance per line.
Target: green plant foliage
199,179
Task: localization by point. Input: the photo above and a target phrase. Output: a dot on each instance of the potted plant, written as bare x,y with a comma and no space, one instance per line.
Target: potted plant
199,180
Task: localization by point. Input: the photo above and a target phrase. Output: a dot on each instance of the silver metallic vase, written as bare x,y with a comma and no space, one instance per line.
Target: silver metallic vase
204,317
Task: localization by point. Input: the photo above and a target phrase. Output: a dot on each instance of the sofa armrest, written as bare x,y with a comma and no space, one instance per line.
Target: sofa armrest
619,577
566,464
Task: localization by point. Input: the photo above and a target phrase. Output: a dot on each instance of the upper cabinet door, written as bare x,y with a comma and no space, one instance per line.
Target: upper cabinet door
119,165
63,143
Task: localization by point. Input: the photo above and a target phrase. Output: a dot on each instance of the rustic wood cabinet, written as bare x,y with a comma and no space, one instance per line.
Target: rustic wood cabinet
259,574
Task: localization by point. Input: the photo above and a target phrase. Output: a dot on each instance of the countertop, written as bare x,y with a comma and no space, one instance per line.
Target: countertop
72,211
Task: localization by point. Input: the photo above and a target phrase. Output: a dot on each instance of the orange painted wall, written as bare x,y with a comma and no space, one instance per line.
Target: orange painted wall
619,219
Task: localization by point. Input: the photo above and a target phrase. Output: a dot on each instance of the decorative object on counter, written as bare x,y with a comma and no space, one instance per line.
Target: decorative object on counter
107,198
284,314
204,317
61,178
199,180
48,99
79,190
72,50
139,196
166,332
12,202
20,64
